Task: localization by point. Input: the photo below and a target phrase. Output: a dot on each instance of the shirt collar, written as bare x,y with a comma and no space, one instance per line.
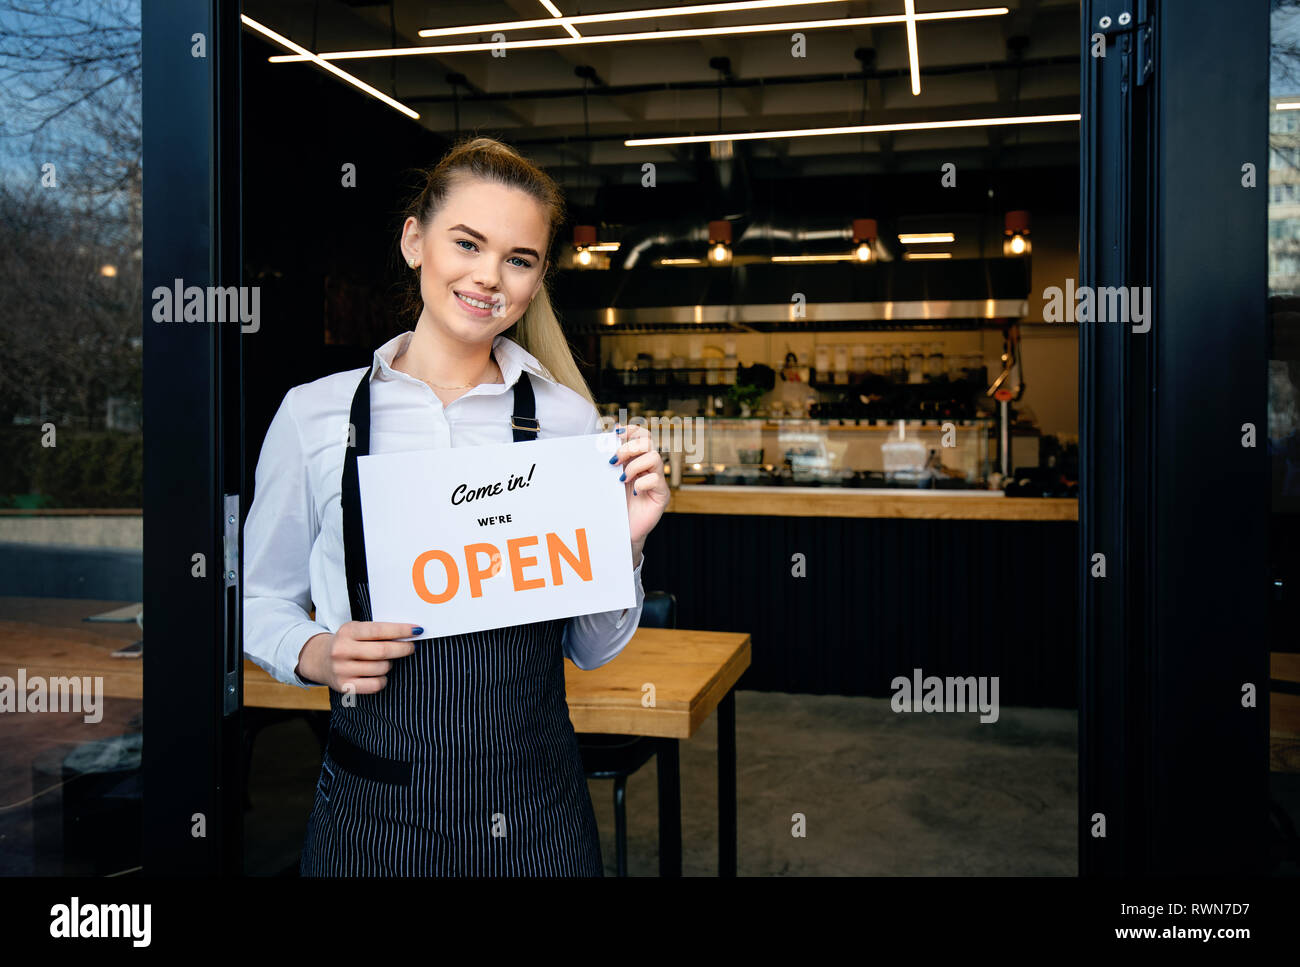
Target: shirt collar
510,356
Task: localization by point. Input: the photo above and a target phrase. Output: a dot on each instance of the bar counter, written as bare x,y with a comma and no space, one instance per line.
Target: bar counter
842,589
851,502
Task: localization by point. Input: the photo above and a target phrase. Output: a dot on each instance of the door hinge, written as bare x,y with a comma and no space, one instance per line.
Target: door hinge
230,603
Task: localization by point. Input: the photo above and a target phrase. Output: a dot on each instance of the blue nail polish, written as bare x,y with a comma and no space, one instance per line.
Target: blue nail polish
618,430
614,458
633,491
622,476
417,631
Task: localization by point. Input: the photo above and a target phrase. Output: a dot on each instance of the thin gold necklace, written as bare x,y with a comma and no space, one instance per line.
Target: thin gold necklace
466,386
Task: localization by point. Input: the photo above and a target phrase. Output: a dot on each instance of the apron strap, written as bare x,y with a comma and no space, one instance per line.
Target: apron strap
523,423
354,541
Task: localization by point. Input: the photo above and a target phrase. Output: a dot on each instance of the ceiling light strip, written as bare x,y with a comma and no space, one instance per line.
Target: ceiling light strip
854,129
913,58
344,75
633,37
559,18
621,16
924,238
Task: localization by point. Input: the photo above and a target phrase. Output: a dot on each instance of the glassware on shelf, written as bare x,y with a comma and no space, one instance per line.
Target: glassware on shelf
729,362
879,360
823,365
678,364
841,365
956,363
916,364
897,363
934,362
859,364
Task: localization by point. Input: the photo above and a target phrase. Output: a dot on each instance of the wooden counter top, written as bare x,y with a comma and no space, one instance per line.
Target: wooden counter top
852,502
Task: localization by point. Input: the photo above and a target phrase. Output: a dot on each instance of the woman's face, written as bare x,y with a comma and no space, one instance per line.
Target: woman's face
486,245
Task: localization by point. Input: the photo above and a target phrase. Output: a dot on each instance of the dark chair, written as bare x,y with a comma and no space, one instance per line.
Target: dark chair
606,756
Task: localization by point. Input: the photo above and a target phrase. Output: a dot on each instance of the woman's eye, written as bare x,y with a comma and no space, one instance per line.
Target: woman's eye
523,263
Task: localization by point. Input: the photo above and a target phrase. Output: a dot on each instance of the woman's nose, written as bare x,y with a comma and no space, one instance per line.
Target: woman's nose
485,274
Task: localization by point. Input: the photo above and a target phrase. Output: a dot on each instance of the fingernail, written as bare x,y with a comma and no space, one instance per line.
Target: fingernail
622,476
417,631
614,458
633,491
618,429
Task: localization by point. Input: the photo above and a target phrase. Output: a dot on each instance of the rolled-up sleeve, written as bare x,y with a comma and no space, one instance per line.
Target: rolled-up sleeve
591,640
278,538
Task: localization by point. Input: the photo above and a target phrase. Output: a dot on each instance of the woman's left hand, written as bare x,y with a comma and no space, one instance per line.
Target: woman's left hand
645,486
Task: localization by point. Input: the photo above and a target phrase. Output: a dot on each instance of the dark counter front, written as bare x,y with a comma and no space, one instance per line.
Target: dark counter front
946,589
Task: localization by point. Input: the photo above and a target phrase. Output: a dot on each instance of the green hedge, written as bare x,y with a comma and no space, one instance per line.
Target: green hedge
86,468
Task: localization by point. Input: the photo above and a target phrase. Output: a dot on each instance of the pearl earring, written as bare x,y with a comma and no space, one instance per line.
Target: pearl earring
411,262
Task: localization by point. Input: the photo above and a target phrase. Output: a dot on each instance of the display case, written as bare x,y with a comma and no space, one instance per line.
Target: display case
912,454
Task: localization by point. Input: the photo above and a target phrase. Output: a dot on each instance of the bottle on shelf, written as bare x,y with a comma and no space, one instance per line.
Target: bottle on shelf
841,365
822,368
897,363
662,362
729,363
879,360
916,364
934,362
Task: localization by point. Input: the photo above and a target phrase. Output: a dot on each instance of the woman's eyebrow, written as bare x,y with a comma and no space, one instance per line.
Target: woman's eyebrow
483,238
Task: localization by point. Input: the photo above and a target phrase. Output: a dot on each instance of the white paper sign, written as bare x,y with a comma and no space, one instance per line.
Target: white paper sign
470,538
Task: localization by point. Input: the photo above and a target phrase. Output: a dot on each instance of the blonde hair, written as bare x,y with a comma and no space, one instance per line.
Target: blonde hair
538,330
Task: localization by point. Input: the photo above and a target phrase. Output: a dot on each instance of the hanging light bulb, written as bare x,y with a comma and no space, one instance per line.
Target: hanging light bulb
720,241
864,236
584,236
1015,238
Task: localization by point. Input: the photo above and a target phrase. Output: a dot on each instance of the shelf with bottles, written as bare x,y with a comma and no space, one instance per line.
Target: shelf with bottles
683,380
952,454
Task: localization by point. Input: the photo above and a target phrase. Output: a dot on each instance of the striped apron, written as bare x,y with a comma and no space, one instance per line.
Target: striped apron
466,763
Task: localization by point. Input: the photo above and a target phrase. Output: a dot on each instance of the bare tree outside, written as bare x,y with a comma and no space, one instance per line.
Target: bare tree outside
70,251
70,210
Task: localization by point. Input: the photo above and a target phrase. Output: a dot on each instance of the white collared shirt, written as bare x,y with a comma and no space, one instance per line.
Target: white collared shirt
293,538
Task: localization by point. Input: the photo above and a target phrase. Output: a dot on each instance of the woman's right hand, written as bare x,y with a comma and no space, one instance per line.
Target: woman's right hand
359,655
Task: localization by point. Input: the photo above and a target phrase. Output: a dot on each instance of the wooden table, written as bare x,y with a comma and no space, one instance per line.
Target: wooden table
693,673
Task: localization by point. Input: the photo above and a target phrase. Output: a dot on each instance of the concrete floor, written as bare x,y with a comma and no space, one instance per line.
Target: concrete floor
883,793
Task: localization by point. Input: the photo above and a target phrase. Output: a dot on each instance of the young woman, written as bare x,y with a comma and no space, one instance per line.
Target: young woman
449,755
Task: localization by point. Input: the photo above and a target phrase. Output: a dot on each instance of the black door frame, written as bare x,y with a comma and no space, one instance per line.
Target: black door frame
1168,638
193,457
1168,493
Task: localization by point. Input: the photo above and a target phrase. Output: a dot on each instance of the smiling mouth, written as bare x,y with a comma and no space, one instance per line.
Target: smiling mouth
476,303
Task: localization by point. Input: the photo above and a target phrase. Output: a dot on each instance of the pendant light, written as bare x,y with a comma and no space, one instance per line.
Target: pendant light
864,238
719,242
1015,237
